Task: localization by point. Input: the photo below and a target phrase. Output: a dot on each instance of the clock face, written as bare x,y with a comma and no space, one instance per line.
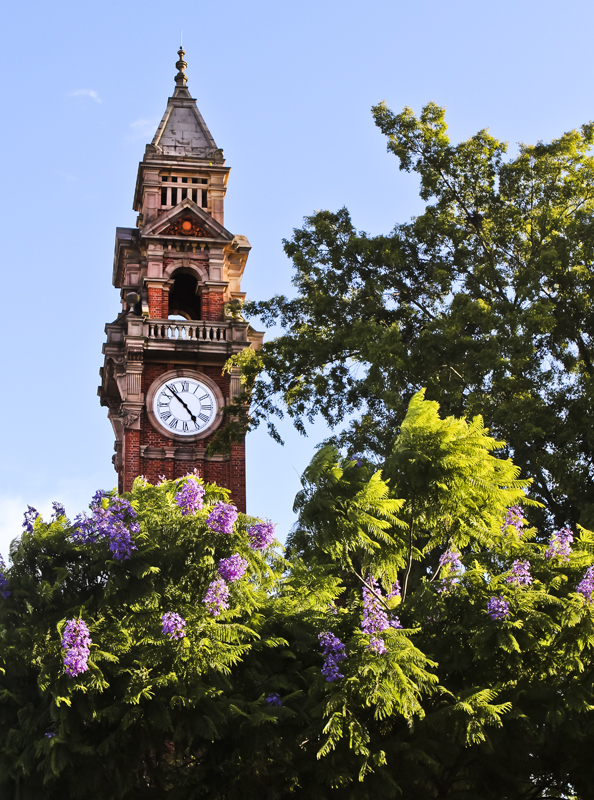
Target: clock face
184,406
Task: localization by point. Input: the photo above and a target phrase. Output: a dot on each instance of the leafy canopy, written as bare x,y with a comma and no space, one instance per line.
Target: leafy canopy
460,649
485,299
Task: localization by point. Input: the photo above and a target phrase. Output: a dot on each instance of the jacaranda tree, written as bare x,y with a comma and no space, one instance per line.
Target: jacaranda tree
417,638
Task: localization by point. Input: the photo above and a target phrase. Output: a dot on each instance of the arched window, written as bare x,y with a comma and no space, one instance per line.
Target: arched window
183,300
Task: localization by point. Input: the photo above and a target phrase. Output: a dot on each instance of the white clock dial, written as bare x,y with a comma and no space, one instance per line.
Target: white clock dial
184,406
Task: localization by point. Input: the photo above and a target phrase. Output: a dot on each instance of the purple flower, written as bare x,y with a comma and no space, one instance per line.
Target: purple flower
216,598
332,608
30,516
377,645
375,616
4,591
497,608
50,735
450,565
116,523
520,573
76,644
560,544
173,625
586,585
189,497
59,511
274,699
334,652
232,568
261,535
222,517
515,518
98,497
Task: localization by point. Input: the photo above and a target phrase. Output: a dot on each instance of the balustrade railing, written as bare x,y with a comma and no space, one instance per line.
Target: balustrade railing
201,331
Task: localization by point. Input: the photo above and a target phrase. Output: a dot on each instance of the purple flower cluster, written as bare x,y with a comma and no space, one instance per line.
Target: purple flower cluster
30,516
4,590
515,518
375,617
450,566
261,535
222,518
76,644
216,598
232,568
189,497
173,625
116,523
59,511
394,590
274,699
334,652
586,586
560,544
497,608
520,573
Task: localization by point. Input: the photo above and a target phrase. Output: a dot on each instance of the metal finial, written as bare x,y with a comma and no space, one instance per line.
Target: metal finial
180,78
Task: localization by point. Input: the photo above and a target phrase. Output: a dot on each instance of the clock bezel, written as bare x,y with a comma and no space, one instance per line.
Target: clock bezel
194,375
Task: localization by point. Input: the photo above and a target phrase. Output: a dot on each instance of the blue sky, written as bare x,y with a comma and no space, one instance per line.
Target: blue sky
286,90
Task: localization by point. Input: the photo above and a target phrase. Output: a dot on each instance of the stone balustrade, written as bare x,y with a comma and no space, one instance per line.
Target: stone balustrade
181,330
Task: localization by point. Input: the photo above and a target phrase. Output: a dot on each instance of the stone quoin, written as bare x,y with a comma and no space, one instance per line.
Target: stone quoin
162,380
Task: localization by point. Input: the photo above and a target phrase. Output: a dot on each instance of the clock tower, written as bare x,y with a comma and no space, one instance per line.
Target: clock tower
179,275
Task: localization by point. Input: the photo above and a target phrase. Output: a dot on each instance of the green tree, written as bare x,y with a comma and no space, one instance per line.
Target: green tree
485,299
415,640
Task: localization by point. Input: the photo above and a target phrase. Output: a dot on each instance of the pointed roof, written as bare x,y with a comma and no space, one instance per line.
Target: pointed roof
183,131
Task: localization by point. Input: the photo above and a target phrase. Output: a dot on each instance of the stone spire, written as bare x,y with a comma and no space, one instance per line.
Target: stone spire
181,78
183,131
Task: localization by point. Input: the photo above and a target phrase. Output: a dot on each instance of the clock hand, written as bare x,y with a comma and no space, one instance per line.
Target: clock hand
177,397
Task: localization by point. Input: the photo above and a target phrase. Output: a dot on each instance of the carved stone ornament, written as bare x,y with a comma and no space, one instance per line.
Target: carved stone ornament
184,226
129,418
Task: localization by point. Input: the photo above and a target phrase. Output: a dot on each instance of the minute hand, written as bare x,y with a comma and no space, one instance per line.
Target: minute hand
177,397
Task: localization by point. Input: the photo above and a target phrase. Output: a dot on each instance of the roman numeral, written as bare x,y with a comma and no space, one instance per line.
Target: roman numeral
206,407
196,426
173,423
163,404
184,426
185,386
204,397
203,417
164,415
168,396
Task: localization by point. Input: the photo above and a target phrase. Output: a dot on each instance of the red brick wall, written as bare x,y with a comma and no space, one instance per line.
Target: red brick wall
237,475
212,306
131,458
155,298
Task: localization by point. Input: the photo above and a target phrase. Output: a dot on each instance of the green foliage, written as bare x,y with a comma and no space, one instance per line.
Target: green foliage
485,299
456,705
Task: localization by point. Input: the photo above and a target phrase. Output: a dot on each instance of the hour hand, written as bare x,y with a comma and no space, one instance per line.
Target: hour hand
177,397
